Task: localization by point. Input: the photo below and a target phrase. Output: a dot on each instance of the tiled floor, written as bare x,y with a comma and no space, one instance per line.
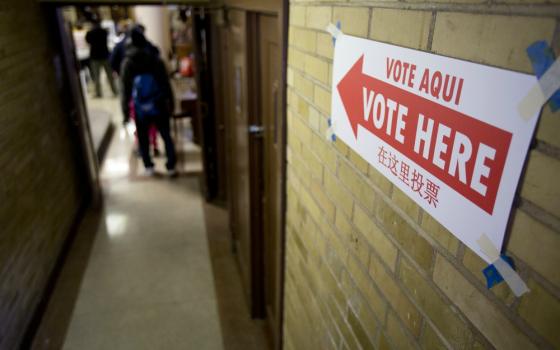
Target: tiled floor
139,274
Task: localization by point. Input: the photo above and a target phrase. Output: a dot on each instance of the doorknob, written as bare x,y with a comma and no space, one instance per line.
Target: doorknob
256,130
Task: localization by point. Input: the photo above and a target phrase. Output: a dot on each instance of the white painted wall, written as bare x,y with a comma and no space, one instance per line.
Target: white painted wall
156,20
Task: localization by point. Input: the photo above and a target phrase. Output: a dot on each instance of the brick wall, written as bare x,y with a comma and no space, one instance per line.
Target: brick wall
368,268
38,186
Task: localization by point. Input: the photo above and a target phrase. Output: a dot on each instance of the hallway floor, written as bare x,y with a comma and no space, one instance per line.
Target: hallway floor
139,274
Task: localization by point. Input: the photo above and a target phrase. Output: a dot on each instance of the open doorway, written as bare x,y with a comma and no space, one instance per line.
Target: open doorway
169,29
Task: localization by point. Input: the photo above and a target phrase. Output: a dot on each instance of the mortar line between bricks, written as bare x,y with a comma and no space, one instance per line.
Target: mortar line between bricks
539,214
535,10
431,31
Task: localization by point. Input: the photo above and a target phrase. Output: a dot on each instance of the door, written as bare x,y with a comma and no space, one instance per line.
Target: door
239,162
255,129
270,55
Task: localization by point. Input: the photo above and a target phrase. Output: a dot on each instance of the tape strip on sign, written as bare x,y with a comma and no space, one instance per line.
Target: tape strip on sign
510,276
540,92
334,31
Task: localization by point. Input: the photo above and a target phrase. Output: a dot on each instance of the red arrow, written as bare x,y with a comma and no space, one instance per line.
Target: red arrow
350,90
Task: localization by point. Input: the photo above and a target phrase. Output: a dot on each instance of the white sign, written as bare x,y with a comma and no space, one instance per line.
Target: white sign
446,132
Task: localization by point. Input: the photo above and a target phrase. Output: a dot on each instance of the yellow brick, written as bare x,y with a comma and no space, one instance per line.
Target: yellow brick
301,130
542,311
379,180
397,334
359,188
290,77
302,85
358,330
414,244
297,15
430,340
341,147
318,17
540,186
317,68
485,316
325,152
377,239
314,120
536,245
446,320
334,241
549,127
301,170
440,233
313,163
354,20
401,27
491,39
407,312
304,39
296,58
343,200
311,205
323,200
406,204
360,163
365,285
343,226
325,45
303,108
322,99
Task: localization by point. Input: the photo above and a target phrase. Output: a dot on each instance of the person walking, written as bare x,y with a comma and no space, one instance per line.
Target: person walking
99,57
144,79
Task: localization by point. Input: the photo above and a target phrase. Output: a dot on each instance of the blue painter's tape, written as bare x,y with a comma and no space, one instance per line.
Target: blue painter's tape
492,275
542,57
329,122
333,137
338,26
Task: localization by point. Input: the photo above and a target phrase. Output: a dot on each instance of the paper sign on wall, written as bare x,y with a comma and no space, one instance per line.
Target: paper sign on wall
446,132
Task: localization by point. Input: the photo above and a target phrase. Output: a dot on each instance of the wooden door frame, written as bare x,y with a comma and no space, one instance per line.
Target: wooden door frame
257,189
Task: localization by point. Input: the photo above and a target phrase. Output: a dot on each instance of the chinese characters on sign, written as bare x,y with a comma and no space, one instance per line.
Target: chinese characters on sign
415,182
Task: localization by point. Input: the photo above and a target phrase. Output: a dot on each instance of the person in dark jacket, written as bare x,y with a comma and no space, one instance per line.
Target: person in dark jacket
140,60
99,57
119,51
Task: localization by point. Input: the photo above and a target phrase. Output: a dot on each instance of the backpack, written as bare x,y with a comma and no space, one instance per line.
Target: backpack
146,95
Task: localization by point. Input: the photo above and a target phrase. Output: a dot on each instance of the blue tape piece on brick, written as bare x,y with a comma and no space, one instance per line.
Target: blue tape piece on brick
492,275
338,26
542,57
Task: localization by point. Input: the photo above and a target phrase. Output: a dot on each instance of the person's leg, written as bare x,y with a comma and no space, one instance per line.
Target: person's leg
95,67
153,139
109,73
142,127
162,124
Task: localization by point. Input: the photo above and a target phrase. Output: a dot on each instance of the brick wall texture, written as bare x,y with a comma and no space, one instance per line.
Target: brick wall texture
366,267
38,185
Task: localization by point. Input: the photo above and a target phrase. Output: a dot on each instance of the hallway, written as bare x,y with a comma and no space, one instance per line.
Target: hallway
140,270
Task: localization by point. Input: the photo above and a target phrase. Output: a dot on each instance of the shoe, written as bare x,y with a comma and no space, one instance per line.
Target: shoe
172,173
149,172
